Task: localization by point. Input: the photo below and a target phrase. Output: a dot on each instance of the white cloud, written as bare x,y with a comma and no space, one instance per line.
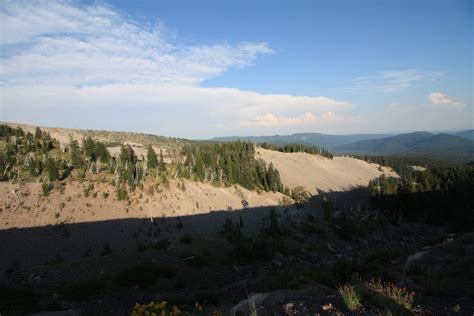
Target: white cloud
91,57
47,42
272,120
225,101
439,98
392,81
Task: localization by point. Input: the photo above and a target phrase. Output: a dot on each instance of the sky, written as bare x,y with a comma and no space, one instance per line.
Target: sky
199,69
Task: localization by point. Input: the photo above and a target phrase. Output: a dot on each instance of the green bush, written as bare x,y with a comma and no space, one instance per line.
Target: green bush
349,297
121,193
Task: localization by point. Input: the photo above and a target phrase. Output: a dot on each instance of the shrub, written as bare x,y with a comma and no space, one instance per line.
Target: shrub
186,239
105,251
45,189
285,202
159,309
401,296
83,289
162,244
327,208
121,193
144,274
14,298
231,231
349,296
299,195
88,189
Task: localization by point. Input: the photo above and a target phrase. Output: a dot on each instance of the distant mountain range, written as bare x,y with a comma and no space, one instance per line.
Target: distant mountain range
310,139
438,146
467,134
458,146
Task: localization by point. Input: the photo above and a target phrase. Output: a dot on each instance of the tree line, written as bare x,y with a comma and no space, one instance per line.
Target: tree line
40,156
293,148
229,163
440,194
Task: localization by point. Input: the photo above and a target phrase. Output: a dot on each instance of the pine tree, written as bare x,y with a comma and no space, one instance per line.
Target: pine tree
88,147
199,168
38,134
100,151
162,162
52,169
152,160
76,157
129,170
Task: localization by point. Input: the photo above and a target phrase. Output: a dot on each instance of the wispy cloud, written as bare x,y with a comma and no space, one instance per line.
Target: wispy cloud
51,42
84,56
439,98
392,81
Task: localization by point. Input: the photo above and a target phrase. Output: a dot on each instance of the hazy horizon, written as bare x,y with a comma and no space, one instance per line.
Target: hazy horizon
206,69
138,131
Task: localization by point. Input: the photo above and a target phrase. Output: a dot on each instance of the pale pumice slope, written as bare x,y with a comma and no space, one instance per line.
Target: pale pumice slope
316,173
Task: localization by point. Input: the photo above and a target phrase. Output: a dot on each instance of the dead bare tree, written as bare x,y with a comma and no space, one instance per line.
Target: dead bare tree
13,187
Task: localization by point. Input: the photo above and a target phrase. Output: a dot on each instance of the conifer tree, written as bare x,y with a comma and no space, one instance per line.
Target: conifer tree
52,169
152,160
162,162
38,133
76,157
100,151
88,147
199,168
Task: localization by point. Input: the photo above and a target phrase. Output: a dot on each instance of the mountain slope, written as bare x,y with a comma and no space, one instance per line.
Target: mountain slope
316,173
310,139
388,145
467,134
419,143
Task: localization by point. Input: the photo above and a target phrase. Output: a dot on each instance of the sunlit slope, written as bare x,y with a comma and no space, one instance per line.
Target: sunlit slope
28,208
316,173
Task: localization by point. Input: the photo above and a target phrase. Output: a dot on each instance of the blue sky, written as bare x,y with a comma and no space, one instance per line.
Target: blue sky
199,69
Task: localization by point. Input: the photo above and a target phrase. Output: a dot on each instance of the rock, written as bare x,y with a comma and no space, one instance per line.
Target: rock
261,311
409,284
447,241
331,248
278,259
245,306
290,302
416,256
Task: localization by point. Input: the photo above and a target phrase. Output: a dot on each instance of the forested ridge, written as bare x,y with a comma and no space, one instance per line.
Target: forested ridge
294,148
27,156
442,193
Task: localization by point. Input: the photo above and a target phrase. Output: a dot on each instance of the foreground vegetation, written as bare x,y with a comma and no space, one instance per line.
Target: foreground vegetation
439,194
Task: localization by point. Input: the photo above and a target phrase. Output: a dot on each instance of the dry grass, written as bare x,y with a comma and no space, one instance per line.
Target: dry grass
401,296
349,296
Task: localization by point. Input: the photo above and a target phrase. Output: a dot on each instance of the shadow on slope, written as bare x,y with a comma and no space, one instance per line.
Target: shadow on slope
107,266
